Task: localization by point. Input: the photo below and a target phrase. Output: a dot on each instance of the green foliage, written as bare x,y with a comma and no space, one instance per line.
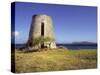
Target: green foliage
55,59
46,39
41,40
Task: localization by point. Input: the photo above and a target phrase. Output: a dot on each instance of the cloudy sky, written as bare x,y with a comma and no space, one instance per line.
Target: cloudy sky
71,23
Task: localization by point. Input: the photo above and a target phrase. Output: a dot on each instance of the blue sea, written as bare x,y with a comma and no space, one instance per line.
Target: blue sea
69,46
79,46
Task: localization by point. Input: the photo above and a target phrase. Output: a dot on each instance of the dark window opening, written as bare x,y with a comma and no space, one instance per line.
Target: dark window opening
42,29
42,33
30,44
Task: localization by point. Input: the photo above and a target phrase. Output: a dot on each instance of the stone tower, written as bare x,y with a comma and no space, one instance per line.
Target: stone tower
41,27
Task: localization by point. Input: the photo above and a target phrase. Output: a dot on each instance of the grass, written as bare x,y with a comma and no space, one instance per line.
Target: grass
54,60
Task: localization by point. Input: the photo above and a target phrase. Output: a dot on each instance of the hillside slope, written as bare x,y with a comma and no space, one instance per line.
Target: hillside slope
54,60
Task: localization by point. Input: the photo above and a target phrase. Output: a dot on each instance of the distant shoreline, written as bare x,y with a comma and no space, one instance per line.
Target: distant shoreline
69,46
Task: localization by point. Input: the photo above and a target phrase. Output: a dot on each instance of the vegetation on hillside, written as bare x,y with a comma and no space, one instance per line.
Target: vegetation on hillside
41,40
54,60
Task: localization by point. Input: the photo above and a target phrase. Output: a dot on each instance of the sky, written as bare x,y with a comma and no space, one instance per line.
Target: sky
71,23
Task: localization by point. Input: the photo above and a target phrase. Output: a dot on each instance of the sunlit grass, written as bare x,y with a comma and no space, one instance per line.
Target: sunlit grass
54,60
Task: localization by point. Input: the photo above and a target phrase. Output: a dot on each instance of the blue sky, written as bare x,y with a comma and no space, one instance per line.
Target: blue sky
71,23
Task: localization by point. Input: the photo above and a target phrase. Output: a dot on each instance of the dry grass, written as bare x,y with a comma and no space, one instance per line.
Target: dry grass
54,60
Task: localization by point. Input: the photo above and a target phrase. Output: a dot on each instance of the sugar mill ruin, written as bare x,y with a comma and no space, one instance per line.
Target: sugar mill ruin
41,33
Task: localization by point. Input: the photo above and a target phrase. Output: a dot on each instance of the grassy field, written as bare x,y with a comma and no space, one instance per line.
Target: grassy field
55,60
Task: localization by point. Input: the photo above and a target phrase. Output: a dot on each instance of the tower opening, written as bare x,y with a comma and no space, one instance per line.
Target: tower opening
42,29
30,44
42,33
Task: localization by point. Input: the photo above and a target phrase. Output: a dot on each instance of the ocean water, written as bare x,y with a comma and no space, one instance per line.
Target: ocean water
78,46
69,46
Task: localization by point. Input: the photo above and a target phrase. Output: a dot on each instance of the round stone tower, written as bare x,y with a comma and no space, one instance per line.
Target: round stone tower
41,30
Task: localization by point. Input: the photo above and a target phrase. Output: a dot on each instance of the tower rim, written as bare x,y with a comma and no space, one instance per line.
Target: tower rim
41,15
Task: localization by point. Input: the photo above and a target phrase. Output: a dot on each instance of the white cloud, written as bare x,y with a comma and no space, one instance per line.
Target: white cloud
16,33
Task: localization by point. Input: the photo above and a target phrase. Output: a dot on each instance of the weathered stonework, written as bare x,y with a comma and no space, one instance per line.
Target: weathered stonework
41,26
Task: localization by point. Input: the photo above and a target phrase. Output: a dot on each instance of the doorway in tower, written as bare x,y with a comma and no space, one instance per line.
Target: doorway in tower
42,33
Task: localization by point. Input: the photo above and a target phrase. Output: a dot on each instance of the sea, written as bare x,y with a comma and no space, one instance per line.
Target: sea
78,46
68,46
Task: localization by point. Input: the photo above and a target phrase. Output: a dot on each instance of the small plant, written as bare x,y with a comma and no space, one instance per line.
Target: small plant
42,40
